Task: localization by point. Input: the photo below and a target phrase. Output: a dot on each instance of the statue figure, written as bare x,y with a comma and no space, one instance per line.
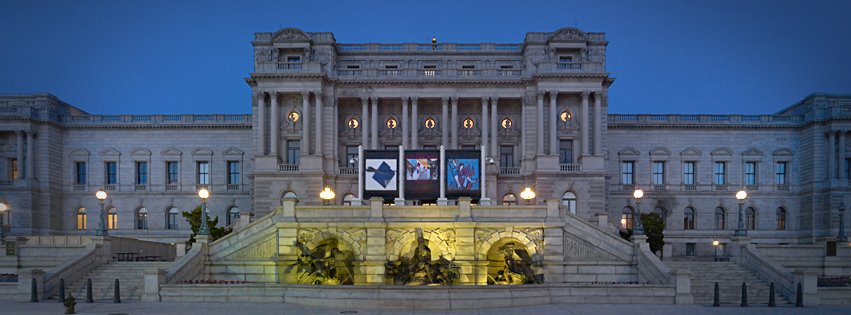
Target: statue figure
517,268
419,269
325,264
70,303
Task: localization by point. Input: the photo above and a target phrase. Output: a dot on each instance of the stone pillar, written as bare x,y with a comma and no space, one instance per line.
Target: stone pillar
553,254
376,209
809,283
317,97
483,125
441,201
553,120
484,200
444,115
494,117
583,121
553,210
598,123
360,167
465,253
523,129
831,155
453,126
405,122
400,176
415,125
374,124
20,153
275,126
464,211
305,123
261,123
373,265
842,170
244,219
540,149
30,155
152,280
364,117
682,278
288,209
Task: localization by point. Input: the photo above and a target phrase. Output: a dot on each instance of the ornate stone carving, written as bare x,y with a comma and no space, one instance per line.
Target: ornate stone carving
568,34
291,34
577,250
264,249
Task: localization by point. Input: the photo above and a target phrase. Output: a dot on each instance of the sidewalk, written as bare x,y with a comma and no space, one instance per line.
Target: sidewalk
53,307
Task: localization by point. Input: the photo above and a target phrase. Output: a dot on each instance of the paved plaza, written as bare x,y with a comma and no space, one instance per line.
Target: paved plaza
53,307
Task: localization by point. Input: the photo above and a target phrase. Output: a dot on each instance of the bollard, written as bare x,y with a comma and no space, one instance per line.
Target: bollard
744,295
799,296
34,292
716,301
61,297
89,291
117,298
70,302
771,295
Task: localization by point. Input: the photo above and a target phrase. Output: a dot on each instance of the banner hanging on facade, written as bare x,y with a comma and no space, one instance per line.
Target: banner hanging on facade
463,173
380,175
422,175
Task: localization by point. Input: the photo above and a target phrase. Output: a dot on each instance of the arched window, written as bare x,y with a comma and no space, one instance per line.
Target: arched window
626,218
509,200
112,219
568,200
233,215
781,219
171,219
142,219
750,218
688,219
720,218
347,199
81,219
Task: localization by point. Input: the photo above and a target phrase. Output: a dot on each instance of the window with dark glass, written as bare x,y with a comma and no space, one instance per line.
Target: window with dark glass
688,219
81,173
142,219
720,218
627,172
506,156
688,173
351,155
720,172
293,151
781,219
171,220
111,171
233,173
750,218
203,170
780,173
141,173
658,173
172,176
565,151
750,173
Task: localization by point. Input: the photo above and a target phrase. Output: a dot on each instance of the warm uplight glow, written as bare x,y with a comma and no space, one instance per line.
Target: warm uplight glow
527,194
101,195
741,195
638,193
715,243
3,207
327,194
204,193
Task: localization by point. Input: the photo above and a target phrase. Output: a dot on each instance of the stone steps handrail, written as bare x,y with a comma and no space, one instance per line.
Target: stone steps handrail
769,270
74,268
617,246
188,266
224,246
650,267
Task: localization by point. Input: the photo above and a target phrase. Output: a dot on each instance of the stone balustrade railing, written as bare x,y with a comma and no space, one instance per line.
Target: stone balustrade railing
655,119
629,188
190,187
453,47
156,120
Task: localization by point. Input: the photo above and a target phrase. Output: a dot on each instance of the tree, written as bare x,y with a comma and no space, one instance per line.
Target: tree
653,228
194,219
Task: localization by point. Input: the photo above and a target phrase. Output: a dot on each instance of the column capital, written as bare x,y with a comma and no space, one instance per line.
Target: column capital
598,93
585,93
317,92
305,93
485,99
495,99
553,95
444,100
414,99
364,100
454,99
540,94
405,99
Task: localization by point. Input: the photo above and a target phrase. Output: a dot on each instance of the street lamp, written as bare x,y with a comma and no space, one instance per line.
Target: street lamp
527,194
3,225
101,196
204,194
327,194
715,244
638,194
842,237
740,230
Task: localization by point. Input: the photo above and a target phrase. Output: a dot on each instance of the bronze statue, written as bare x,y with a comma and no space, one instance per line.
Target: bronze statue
325,264
517,268
420,269
70,302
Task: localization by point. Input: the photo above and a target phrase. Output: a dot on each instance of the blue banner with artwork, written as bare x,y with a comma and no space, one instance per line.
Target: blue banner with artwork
463,173
422,175
380,175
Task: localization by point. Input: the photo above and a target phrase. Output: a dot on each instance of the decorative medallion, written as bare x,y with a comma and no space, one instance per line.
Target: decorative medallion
565,116
391,123
293,116
353,123
430,123
506,123
469,123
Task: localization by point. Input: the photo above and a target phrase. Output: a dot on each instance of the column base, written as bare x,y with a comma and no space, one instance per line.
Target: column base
442,202
399,202
485,202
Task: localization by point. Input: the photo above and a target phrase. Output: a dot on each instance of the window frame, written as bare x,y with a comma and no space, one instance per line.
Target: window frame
202,178
657,169
689,218
141,171
690,178
80,176
234,175
627,175
168,173
110,176
719,178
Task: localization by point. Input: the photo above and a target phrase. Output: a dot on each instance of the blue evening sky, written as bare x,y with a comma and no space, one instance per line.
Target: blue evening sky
675,56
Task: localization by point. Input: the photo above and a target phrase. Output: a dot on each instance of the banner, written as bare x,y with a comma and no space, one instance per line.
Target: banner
422,175
380,175
463,173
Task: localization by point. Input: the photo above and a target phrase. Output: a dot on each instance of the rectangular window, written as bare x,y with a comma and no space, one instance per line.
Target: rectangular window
141,173
565,151
172,176
351,155
293,58
430,70
627,173
658,173
203,173
233,173
81,173
780,173
111,171
690,249
720,172
688,173
506,156
293,151
750,173
13,170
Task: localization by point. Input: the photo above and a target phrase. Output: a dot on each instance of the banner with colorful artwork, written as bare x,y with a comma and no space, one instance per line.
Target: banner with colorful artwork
380,175
422,175
463,173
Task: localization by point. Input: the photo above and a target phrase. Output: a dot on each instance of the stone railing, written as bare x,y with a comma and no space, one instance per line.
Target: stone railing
571,67
308,67
188,266
697,187
570,168
287,168
509,171
89,260
174,188
347,170
431,73
453,47
656,119
783,278
156,120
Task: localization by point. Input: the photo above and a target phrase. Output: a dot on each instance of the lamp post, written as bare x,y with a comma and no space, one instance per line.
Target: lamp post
101,196
3,225
715,244
842,237
740,230
204,229
638,194
327,195
527,194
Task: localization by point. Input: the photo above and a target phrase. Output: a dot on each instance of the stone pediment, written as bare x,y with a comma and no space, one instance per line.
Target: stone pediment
629,151
752,152
691,151
783,152
171,151
722,152
568,34
141,152
80,154
290,34
660,151
233,151
110,152
202,151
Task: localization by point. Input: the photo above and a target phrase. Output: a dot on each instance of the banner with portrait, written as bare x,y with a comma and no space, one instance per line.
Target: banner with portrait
380,174
463,174
422,175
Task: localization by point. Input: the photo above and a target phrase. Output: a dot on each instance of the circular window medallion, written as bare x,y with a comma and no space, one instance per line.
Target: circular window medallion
352,123
565,116
506,123
391,123
469,123
293,116
430,123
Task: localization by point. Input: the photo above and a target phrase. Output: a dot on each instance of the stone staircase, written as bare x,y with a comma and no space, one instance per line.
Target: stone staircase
729,276
130,275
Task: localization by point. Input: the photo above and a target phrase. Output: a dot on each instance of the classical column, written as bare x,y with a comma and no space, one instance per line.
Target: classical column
831,155
415,125
494,101
261,123
20,153
842,170
453,127
540,123
405,121
552,123
275,126
30,155
483,124
317,97
444,136
583,121
364,117
374,124
523,129
598,123
305,123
